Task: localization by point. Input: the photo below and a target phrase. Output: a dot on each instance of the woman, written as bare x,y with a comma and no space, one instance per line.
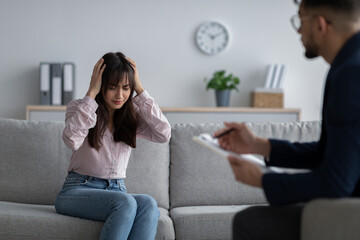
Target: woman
101,129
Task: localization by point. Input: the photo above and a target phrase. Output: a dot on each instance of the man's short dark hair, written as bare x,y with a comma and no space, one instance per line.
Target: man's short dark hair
347,6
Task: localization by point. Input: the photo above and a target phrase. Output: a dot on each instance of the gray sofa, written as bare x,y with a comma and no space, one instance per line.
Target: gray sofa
195,189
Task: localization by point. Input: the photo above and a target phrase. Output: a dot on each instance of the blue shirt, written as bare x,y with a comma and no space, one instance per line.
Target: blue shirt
334,160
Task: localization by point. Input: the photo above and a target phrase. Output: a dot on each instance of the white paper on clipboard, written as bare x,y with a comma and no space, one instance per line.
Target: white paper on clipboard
211,143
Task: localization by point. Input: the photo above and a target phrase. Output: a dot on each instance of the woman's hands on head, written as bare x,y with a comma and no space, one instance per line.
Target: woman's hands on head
138,86
96,79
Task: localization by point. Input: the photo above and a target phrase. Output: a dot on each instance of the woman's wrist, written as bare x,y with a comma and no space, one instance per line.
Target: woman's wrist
139,90
91,94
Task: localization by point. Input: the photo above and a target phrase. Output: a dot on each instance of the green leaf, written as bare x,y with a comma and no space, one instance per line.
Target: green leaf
220,81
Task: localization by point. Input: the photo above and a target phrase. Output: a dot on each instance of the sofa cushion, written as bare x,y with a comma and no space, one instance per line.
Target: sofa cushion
148,171
20,221
34,162
200,177
291,131
204,222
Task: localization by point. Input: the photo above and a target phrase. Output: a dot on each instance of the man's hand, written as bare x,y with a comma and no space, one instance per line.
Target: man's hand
241,140
246,172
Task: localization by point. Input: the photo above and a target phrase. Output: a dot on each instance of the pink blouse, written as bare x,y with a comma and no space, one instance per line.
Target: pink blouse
111,161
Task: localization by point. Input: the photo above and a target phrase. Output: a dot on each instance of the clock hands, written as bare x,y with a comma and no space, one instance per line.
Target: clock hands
216,35
212,37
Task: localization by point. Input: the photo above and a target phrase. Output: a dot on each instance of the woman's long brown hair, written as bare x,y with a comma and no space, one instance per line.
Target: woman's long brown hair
118,68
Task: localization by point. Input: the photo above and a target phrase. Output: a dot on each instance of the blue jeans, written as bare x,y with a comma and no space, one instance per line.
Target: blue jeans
126,216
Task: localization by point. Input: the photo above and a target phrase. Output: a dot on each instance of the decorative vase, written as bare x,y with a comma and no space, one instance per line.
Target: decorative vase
222,97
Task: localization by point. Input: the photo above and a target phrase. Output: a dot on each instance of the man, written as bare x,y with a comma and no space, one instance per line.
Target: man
330,29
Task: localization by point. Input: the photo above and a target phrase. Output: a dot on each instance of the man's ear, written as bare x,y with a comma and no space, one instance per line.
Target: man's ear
320,29
322,24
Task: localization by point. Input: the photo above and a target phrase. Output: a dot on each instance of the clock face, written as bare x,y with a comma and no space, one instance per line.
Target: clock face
212,37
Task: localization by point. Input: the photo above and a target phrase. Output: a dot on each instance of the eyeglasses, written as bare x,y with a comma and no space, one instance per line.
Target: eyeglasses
296,20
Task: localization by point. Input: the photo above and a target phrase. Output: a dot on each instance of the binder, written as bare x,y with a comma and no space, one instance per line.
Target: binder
45,84
68,82
56,84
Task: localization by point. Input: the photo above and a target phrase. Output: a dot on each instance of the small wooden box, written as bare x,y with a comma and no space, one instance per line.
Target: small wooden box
267,99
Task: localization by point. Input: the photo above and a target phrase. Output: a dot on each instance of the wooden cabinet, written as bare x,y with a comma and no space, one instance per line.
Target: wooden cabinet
45,113
187,115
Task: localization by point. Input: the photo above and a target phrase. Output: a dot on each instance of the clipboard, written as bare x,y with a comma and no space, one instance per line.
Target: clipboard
212,144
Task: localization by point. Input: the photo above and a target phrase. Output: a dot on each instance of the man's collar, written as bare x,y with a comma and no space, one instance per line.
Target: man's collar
348,48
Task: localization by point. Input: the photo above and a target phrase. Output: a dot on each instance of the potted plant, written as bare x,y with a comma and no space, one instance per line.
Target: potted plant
222,84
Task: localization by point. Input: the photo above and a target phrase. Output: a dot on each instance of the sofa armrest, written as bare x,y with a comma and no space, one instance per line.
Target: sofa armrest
331,219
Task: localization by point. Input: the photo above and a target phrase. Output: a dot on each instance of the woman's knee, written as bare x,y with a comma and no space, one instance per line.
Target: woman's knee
145,200
147,203
125,202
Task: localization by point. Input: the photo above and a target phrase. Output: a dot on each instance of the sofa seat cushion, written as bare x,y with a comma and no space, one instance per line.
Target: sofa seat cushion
20,221
204,222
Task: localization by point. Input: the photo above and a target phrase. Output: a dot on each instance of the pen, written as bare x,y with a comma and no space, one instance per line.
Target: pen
224,133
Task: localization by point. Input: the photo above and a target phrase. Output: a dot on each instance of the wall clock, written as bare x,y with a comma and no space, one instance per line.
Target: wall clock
212,37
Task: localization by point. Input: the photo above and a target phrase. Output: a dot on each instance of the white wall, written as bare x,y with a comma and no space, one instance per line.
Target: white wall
159,36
